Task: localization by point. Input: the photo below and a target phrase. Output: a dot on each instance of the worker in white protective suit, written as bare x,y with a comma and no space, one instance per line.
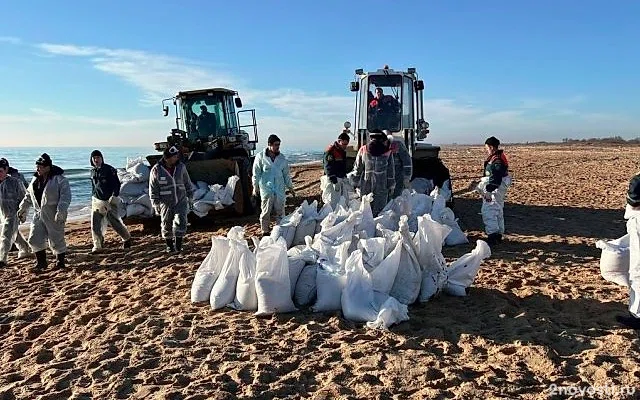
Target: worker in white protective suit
493,188
271,179
334,161
403,165
50,195
12,192
632,215
105,202
171,193
374,171
21,242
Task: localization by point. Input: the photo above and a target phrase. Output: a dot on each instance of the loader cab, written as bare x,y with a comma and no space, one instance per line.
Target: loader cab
391,100
208,117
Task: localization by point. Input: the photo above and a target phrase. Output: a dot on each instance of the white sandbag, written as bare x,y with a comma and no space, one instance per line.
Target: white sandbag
287,228
428,242
456,236
357,295
330,280
144,200
463,271
420,204
305,252
341,232
367,222
322,214
406,286
246,298
141,171
422,185
388,219
136,210
209,269
307,225
438,206
384,274
134,189
202,207
202,185
273,286
614,260
225,195
305,292
373,251
296,265
391,312
198,194
224,289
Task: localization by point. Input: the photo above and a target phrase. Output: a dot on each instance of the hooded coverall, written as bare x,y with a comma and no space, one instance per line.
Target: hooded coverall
272,177
374,172
105,189
171,194
12,192
402,163
496,181
50,200
21,242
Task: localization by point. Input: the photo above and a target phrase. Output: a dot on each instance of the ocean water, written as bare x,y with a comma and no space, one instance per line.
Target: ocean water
75,162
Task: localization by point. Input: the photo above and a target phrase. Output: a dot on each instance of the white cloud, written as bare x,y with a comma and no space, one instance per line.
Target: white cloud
302,119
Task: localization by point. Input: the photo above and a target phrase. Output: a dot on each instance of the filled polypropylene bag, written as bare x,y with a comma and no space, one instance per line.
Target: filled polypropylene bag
209,269
456,236
341,232
246,298
388,219
307,225
422,185
296,265
406,286
287,228
330,280
305,292
322,214
357,296
391,312
428,242
384,274
614,260
224,290
463,271
367,222
273,286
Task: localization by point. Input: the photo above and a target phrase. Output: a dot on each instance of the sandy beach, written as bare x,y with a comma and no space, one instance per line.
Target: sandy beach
120,324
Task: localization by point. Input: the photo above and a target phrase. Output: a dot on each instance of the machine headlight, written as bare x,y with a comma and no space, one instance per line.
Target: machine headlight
347,125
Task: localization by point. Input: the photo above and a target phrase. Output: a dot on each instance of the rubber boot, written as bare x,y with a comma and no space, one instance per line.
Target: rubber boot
629,321
60,261
126,244
178,244
170,246
41,260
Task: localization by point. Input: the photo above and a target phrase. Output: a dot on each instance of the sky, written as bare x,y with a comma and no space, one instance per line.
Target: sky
82,73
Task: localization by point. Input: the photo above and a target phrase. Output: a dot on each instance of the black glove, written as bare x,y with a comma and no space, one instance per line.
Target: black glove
333,179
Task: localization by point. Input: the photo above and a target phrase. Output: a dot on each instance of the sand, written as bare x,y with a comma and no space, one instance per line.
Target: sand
120,324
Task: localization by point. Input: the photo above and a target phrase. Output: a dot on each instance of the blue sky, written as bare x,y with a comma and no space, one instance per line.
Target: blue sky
87,75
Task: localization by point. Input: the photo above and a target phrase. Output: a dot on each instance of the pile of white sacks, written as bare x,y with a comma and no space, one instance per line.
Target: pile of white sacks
344,259
134,192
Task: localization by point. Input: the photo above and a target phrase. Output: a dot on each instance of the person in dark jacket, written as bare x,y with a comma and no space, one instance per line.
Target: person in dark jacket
21,242
105,202
493,187
335,159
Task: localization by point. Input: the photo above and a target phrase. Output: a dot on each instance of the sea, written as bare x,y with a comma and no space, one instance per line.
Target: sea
75,163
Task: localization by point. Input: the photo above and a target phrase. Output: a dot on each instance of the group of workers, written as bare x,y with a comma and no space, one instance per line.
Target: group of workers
382,166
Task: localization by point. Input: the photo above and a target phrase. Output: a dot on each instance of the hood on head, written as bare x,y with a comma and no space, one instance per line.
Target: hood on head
93,154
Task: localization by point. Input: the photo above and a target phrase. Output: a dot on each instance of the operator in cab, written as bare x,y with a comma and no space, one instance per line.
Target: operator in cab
206,123
333,184
384,111
374,171
271,178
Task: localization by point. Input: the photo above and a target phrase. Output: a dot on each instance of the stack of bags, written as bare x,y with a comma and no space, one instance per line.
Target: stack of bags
344,259
134,192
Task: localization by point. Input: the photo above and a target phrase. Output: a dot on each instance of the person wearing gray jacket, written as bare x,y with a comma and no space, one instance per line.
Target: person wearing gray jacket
403,165
49,194
12,192
171,193
21,242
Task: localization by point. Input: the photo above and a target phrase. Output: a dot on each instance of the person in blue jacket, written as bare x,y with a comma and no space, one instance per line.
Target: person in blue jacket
271,179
